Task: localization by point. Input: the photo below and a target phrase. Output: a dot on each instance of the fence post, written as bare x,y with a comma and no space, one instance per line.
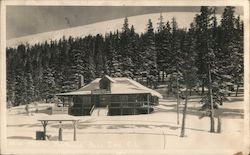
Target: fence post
60,132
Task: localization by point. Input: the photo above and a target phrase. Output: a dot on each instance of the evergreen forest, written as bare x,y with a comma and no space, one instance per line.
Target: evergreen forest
207,55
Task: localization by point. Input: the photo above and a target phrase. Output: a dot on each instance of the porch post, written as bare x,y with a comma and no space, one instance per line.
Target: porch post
82,105
148,102
63,101
136,96
121,108
69,107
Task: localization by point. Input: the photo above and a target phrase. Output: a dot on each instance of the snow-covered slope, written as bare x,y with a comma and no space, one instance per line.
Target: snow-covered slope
183,19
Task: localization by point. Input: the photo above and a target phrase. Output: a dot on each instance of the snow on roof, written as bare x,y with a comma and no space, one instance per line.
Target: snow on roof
91,86
120,85
125,88
75,93
153,92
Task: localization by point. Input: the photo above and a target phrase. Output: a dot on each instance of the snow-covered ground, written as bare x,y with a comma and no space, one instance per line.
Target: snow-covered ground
156,133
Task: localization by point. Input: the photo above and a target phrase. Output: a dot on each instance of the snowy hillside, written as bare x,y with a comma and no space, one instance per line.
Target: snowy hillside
183,19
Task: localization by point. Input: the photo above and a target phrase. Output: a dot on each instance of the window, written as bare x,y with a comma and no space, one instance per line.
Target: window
132,98
115,98
105,84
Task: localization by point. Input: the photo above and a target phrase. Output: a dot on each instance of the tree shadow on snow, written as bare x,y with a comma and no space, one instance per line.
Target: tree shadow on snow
26,125
223,112
20,137
124,126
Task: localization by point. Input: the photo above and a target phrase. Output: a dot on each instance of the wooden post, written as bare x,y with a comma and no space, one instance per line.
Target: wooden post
60,131
148,102
74,125
44,123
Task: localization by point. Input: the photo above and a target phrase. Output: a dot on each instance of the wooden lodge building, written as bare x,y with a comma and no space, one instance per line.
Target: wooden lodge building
118,96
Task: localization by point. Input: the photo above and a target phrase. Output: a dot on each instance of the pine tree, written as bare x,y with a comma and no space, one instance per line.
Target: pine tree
237,58
48,84
88,45
205,58
90,73
232,46
30,90
203,24
77,68
98,55
150,64
126,50
133,52
174,57
38,71
11,75
175,63
114,55
163,45
160,23
188,70
189,78
140,59
21,85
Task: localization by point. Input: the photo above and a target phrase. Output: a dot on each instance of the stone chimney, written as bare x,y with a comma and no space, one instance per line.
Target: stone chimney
81,81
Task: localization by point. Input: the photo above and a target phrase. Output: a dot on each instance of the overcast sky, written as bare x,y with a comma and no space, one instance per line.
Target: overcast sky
26,20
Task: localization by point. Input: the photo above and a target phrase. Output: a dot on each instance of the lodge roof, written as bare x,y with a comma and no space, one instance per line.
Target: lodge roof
119,85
